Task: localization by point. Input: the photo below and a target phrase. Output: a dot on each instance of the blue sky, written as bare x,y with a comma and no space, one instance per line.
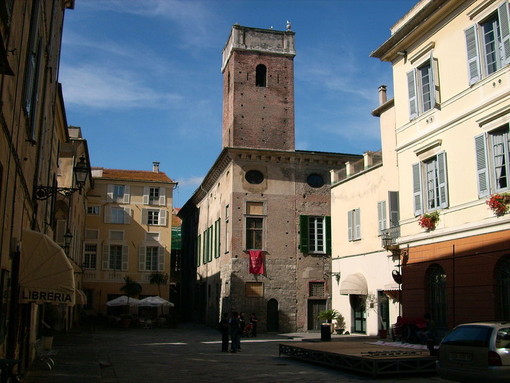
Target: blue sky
143,80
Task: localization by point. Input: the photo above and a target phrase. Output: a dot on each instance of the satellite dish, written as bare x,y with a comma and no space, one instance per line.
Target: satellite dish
397,277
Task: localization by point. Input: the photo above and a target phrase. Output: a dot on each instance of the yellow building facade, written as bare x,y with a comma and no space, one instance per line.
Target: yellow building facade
128,234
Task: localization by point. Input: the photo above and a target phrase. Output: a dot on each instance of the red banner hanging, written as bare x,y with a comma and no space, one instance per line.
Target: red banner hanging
256,261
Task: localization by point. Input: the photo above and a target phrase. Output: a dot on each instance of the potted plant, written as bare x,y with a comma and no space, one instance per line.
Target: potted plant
498,203
329,316
340,324
429,220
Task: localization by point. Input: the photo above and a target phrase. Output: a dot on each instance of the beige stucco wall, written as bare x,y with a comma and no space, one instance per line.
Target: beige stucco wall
104,282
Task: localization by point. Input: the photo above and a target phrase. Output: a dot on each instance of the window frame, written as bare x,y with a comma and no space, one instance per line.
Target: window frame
487,179
476,43
354,225
422,190
305,235
416,86
90,257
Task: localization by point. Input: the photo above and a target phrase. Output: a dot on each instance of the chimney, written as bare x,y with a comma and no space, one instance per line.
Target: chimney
382,95
155,167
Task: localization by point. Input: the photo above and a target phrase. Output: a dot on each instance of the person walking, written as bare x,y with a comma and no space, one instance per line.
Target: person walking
253,321
235,332
224,329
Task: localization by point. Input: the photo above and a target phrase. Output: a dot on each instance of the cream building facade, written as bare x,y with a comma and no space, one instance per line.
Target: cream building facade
452,113
364,209
127,234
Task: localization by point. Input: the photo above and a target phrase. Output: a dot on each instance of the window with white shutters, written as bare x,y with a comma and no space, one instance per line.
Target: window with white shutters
488,44
430,184
423,87
354,225
493,161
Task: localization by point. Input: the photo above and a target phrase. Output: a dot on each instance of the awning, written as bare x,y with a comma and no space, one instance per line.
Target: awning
45,275
81,298
354,284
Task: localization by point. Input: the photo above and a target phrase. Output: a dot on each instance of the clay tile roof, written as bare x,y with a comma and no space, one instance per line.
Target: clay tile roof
134,175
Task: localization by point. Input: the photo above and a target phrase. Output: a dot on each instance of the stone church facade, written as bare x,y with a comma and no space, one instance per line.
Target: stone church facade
257,232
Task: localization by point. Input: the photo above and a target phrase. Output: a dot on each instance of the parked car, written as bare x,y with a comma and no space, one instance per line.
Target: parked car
476,352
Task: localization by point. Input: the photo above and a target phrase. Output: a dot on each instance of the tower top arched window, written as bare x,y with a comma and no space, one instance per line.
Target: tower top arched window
261,75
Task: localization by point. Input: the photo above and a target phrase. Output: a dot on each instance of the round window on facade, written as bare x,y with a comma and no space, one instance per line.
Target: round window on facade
315,180
254,177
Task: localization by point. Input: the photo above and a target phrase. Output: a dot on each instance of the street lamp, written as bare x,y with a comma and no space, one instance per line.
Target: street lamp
80,170
68,237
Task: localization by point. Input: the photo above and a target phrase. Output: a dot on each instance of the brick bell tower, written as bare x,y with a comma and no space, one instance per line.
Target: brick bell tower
258,89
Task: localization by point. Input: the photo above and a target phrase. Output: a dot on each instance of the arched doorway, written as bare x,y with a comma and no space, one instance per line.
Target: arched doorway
272,316
503,288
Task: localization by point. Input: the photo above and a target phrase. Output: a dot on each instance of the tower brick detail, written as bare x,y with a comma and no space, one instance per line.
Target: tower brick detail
258,88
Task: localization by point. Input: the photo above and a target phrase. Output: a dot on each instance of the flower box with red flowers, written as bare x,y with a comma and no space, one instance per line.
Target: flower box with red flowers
498,203
429,220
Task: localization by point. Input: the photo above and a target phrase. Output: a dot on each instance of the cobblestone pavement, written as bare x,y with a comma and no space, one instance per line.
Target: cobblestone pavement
189,353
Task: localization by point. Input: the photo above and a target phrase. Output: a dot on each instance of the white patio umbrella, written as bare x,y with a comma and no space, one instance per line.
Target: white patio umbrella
123,300
154,301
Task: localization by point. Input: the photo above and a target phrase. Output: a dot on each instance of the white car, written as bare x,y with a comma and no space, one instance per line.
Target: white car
476,352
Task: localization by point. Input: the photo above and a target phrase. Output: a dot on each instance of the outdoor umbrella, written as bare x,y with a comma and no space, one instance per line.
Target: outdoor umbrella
123,301
154,301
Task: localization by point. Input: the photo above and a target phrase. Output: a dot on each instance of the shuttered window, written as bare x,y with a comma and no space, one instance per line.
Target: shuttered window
354,225
430,184
381,215
493,161
315,234
488,44
423,87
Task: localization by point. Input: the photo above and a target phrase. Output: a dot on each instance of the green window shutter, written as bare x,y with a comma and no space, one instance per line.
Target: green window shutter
472,54
328,235
443,180
417,195
303,228
481,165
504,27
413,99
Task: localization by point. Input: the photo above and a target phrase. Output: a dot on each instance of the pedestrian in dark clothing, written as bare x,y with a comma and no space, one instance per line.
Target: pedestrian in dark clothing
224,329
235,332
254,321
242,323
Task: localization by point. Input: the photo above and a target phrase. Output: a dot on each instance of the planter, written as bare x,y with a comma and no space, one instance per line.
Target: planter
499,203
383,334
340,331
429,220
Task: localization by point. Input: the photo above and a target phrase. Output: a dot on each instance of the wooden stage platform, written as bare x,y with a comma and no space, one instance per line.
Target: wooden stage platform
372,358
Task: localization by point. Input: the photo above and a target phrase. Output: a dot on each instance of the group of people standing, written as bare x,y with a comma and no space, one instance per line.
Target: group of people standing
233,328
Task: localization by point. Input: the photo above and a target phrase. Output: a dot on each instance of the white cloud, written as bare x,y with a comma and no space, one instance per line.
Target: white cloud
104,88
190,182
193,17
